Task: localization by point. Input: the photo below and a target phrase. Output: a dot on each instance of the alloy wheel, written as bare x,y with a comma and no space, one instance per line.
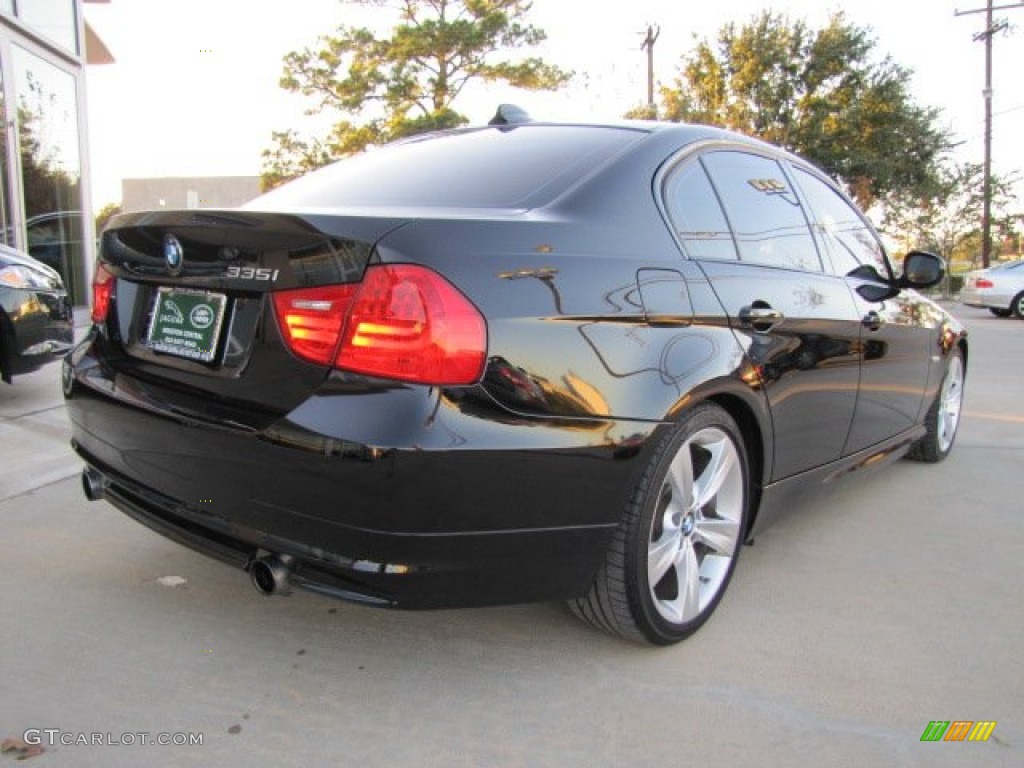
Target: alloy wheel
695,530
950,403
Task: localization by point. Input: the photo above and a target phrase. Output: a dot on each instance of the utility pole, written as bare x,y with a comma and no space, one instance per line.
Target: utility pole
653,32
991,28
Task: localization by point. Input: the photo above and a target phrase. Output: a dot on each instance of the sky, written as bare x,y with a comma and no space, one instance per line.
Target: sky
194,88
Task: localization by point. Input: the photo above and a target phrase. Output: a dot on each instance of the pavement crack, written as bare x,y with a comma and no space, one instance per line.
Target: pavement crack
30,414
55,481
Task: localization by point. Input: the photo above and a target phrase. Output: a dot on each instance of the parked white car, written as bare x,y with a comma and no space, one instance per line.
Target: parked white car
999,289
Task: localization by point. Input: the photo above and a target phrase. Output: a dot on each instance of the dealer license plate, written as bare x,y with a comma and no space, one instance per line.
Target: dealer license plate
186,323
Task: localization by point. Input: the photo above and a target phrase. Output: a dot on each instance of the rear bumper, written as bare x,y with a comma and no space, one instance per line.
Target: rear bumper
447,509
985,299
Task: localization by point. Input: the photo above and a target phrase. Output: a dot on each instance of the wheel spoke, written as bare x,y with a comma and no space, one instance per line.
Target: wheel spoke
714,476
661,555
719,533
680,478
688,578
949,417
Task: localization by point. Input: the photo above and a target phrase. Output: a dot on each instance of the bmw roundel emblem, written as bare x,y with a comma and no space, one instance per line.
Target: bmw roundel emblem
174,254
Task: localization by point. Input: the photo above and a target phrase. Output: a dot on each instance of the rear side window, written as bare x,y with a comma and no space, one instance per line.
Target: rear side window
520,167
765,214
697,216
850,241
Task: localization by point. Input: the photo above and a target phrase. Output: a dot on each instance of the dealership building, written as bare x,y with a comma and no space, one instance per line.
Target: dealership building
45,208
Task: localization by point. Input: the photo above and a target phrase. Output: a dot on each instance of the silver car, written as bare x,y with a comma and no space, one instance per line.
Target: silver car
999,289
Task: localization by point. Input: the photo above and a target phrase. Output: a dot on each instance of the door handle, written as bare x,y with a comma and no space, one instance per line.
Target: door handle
760,316
872,321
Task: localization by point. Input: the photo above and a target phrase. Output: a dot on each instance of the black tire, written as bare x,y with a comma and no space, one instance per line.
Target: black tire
706,452
943,417
1017,306
999,312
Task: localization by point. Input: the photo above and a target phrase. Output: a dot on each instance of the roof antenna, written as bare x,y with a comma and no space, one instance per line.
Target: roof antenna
509,114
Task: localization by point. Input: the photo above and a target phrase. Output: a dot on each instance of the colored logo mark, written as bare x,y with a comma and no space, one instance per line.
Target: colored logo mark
958,730
201,316
174,255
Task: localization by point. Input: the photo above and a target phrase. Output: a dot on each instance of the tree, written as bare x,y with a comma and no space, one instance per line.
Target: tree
405,83
819,93
107,212
47,185
947,218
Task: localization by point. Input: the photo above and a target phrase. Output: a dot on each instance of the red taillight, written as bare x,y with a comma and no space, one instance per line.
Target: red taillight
409,323
102,289
401,322
984,282
311,319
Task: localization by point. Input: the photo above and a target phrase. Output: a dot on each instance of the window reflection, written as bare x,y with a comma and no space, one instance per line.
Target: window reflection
53,18
765,214
6,225
849,240
51,166
697,216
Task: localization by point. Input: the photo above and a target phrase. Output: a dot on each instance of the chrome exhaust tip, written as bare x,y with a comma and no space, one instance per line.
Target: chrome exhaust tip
270,574
94,485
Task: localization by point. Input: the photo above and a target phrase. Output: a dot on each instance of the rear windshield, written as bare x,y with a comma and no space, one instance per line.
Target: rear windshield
520,167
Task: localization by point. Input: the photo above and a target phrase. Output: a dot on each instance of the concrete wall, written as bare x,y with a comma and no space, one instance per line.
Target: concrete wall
199,192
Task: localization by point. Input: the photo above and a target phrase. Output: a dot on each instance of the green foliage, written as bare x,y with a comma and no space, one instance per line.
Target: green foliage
945,218
107,212
407,82
643,112
819,93
291,157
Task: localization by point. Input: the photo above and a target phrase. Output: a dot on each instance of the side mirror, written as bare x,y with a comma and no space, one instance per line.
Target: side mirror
921,270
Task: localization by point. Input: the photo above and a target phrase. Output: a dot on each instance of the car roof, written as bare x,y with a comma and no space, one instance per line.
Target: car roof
683,133
510,167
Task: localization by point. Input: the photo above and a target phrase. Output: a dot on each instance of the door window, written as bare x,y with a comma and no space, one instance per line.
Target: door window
766,216
697,216
849,240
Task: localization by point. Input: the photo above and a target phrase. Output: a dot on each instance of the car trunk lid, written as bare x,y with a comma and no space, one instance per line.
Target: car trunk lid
191,302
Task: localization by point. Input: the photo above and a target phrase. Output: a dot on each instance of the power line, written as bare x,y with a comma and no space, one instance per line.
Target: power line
1000,113
991,28
1007,111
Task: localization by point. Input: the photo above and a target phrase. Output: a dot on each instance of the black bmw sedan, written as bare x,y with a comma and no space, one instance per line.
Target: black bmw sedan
36,322
519,362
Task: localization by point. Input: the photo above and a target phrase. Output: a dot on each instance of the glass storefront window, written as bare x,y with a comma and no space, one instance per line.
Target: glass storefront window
51,167
6,223
7,6
53,18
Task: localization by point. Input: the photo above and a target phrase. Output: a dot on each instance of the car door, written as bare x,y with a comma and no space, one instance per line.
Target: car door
898,335
736,214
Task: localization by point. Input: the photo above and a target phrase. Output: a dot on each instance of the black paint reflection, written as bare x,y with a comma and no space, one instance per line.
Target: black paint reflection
801,352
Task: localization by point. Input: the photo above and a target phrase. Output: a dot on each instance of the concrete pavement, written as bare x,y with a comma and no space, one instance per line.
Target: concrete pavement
894,601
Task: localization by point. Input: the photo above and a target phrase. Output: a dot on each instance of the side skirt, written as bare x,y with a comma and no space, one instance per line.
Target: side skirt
779,497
